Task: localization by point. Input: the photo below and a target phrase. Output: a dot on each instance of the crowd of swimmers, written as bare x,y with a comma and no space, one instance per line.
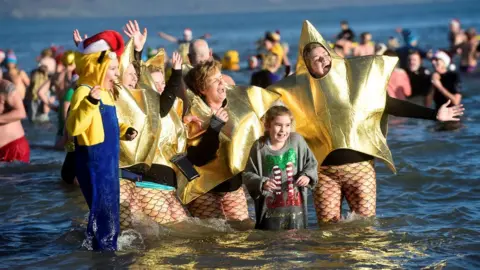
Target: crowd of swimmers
166,138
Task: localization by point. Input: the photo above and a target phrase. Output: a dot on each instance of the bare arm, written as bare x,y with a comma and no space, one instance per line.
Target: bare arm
66,105
43,92
16,113
25,78
168,37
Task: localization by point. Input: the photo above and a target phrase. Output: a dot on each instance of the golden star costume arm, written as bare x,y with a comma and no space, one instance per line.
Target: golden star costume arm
345,108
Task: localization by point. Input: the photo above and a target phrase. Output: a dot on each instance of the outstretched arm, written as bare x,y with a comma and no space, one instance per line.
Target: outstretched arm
168,37
403,108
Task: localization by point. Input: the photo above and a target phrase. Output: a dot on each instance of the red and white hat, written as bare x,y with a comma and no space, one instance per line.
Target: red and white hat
103,41
187,32
441,55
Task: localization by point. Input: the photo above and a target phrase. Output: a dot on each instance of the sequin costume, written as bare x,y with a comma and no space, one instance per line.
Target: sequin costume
143,194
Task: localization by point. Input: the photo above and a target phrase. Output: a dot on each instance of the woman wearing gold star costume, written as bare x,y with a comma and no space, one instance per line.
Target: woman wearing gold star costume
148,178
218,192
342,107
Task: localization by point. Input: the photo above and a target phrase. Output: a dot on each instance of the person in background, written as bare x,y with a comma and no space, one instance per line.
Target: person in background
399,85
346,32
13,144
365,47
411,43
47,59
16,75
446,83
380,49
469,52
338,49
392,43
252,62
183,43
272,45
37,98
266,76
420,80
456,35
2,58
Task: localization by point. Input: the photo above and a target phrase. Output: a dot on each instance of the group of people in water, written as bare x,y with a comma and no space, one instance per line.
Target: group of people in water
145,141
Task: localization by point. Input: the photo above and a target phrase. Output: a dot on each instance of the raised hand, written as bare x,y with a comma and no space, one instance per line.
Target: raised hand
77,38
177,61
132,30
222,114
446,113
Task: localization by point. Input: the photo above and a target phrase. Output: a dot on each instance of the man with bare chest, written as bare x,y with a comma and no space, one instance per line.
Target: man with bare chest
13,144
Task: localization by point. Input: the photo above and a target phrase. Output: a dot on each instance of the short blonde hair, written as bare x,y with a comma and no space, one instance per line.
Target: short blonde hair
196,78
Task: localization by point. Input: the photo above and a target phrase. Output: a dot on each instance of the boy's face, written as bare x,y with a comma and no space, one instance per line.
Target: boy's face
279,129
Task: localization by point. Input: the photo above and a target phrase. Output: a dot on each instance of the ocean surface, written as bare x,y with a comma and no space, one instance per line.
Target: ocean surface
428,214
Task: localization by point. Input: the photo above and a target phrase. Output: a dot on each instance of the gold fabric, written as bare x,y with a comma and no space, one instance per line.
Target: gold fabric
157,60
245,107
173,137
138,108
343,109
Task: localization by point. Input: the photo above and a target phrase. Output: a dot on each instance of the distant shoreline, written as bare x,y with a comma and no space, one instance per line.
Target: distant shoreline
264,6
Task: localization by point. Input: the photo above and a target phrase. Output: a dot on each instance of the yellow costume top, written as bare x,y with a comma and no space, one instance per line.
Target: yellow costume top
84,119
245,107
139,108
344,109
172,139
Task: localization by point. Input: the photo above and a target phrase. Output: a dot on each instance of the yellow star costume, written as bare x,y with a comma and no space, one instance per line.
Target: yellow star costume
342,110
156,141
245,107
138,108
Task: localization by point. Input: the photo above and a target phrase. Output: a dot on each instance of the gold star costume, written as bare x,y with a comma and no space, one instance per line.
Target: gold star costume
154,144
342,110
245,107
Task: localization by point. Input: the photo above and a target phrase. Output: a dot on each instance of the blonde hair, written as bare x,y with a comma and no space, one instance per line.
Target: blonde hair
196,78
270,61
270,115
39,77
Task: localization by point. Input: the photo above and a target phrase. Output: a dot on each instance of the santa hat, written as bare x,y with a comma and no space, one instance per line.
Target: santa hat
103,41
455,22
441,55
188,32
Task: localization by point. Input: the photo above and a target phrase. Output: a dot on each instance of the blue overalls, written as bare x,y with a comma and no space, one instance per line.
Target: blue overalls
97,174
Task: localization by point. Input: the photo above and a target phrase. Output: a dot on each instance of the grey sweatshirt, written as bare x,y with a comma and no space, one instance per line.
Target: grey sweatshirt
286,206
